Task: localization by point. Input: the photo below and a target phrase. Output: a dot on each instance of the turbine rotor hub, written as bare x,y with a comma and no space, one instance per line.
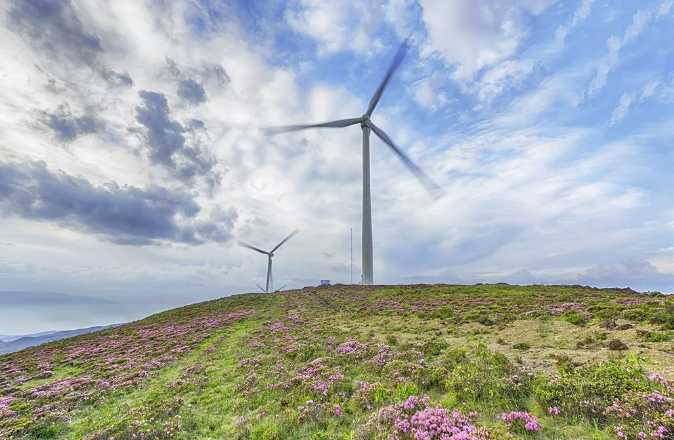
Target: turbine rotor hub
365,117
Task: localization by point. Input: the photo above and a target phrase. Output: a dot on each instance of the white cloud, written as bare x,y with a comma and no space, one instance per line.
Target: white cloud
426,94
623,108
580,15
639,22
561,32
599,81
614,44
335,25
398,14
501,77
649,89
582,12
665,8
477,33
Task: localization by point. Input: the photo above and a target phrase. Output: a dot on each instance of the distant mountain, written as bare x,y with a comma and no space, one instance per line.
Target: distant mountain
19,298
10,344
10,338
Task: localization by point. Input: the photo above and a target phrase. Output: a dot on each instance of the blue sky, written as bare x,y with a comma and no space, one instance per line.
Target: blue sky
131,159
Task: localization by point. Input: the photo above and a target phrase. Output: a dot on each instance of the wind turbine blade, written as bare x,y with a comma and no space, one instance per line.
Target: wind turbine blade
332,124
286,239
241,243
260,288
394,66
280,288
433,188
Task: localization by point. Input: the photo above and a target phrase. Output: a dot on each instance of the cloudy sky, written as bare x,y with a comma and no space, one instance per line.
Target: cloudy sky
131,156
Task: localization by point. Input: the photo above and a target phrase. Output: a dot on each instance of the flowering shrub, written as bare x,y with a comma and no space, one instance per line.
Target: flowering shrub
5,401
352,347
415,419
521,421
645,414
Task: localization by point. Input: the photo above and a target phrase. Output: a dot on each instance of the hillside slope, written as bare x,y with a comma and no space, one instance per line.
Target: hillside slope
380,362
13,344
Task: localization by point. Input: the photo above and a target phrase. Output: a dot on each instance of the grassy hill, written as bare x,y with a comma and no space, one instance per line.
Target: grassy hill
360,362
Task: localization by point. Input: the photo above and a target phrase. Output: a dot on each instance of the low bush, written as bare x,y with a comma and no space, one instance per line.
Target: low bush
588,390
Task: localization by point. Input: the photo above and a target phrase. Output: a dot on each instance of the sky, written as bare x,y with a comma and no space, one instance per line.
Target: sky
132,157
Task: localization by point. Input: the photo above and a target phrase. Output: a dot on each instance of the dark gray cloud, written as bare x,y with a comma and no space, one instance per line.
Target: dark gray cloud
68,127
191,81
192,91
214,74
219,228
118,79
53,27
167,144
196,124
123,215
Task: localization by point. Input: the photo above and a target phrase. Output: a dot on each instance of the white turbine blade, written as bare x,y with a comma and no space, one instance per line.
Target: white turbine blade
281,288
241,243
332,124
286,239
394,66
260,288
432,187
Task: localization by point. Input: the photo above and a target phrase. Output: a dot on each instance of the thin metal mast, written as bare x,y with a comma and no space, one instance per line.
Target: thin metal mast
351,255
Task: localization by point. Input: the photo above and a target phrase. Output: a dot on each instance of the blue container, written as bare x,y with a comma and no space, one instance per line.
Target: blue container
325,282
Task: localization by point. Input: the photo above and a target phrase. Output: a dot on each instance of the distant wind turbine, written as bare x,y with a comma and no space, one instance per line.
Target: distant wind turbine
270,254
366,125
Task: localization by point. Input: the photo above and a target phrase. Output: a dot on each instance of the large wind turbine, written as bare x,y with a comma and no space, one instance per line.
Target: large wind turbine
270,254
366,125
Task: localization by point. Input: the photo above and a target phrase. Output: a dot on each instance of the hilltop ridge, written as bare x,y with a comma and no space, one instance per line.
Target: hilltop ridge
347,361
